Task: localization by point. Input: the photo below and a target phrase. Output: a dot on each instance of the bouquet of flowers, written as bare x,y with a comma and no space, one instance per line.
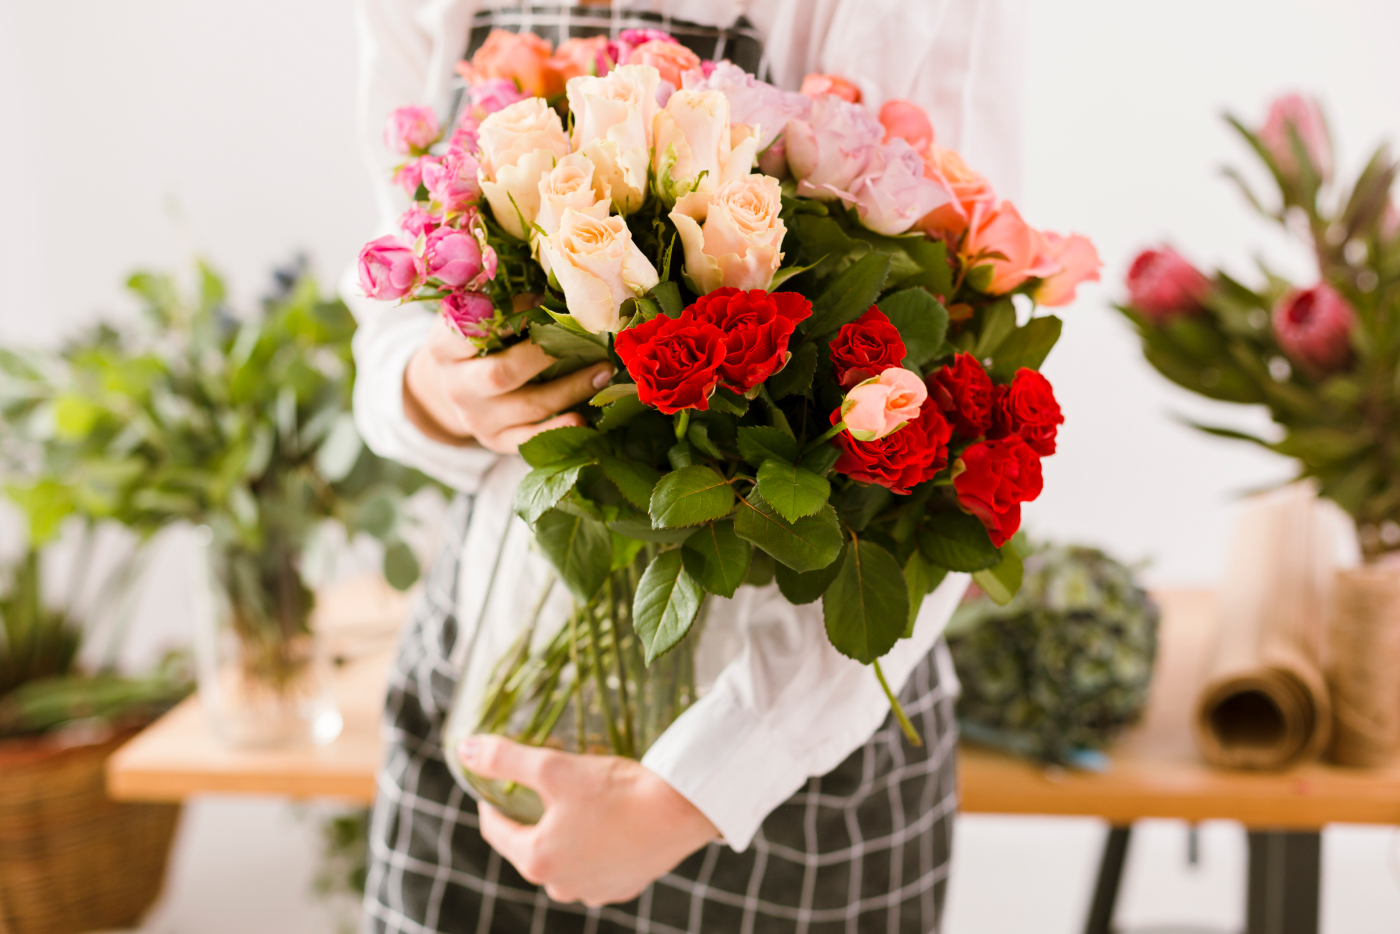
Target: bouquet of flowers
821,373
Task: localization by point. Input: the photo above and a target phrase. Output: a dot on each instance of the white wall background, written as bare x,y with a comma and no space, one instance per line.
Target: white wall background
138,132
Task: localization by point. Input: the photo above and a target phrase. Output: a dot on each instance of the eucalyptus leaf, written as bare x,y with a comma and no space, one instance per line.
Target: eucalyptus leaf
336,456
400,565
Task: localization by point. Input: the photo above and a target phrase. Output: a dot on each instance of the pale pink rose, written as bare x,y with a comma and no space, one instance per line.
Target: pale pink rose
818,85
463,138
670,59
411,130
1313,326
1078,261
576,57
519,57
733,236
452,257
418,220
598,267
466,311
752,102
620,49
613,119
388,269
1162,285
883,404
773,160
694,146
830,149
452,181
495,94
410,175
1305,116
1001,230
518,145
908,122
893,192
949,221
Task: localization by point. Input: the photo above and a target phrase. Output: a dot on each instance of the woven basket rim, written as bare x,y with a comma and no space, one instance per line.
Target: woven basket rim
22,751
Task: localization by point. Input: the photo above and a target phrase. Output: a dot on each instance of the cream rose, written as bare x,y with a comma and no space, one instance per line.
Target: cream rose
733,236
598,267
694,146
613,118
568,185
519,144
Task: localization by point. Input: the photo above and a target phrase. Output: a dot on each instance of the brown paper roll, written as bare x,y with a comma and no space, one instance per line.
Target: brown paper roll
1364,665
1264,704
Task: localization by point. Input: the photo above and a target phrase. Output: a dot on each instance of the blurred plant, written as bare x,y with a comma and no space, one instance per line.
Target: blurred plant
344,863
1323,359
1063,667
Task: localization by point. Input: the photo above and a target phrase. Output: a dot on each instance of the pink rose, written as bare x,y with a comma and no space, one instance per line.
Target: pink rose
1305,116
495,94
410,175
668,57
818,85
829,150
908,122
883,404
752,102
576,57
452,257
893,193
773,160
418,220
1001,230
1163,285
1313,326
388,269
1078,261
620,49
452,181
466,310
411,130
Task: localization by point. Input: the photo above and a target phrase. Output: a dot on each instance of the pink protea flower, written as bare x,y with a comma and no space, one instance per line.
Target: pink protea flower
1313,326
466,311
1305,116
388,268
411,130
1163,285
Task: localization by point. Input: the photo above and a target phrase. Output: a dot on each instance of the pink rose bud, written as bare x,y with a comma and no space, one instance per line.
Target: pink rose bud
1313,326
388,269
1162,285
830,148
773,161
452,257
412,130
452,181
464,134
466,310
908,122
488,263
815,85
1305,116
1079,262
410,175
496,94
418,220
620,49
883,404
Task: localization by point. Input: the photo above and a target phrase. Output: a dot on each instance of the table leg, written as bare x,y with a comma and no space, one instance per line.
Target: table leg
1115,851
1284,875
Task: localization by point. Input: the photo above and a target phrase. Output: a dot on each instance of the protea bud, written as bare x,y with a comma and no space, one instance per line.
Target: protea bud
1162,285
1313,326
1305,116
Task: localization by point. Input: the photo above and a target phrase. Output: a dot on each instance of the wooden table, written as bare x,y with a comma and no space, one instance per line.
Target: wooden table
1155,770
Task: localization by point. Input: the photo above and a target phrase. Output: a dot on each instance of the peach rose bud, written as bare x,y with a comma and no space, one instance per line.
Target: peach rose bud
598,267
908,122
883,404
695,148
1001,230
613,119
818,85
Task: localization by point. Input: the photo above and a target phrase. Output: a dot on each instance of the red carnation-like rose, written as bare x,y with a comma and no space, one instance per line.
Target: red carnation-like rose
1027,408
900,460
998,477
674,361
865,348
963,390
756,326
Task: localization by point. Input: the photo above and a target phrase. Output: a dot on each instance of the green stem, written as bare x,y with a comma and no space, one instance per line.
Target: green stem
682,423
602,679
825,437
775,414
624,707
904,724
579,724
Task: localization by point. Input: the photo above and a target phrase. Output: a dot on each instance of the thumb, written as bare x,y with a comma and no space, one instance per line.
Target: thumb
495,757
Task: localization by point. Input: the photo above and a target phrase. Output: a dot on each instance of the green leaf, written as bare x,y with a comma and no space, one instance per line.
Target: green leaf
665,606
783,275
621,413
805,545
931,256
759,443
561,343
957,541
861,502
920,578
579,547
74,416
559,444
400,566
690,496
1026,346
336,456
800,588
636,481
681,455
1002,581
640,528
668,296
922,322
699,437
796,376
821,459
625,550
998,321
792,491
544,487
848,295
727,402
867,605
613,393
717,558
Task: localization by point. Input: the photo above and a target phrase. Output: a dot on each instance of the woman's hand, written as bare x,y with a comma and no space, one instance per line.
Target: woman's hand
455,396
610,827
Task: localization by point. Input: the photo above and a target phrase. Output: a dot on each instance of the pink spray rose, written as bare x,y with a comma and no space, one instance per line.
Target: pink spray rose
882,404
410,175
451,256
1313,326
452,181
495,94
752,102
1079,262
411,130
388,269
671,59
1163,285
418,220
830,149
908,122
818,85
893,193
620,49
466,310
1001,230
1305,116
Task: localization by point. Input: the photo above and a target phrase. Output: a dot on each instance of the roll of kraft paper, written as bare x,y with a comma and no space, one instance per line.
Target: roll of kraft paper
1265,703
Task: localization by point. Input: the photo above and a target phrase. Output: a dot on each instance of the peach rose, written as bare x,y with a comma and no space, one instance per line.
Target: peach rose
670,59
1078,261
518,145
733,236
598,267
613,119
577,57
815,85
949,221
883,404
694,147
521,57
908,122
1001,230
569,185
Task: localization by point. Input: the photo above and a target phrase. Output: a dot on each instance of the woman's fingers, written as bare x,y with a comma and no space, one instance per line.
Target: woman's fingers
500,373
499,758
509,440
532,403
448,346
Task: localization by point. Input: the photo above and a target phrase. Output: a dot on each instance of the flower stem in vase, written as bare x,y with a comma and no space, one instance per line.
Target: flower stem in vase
624,708
579,724
600,673
910,733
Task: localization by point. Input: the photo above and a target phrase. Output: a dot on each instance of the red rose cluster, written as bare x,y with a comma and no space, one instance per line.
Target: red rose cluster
728,336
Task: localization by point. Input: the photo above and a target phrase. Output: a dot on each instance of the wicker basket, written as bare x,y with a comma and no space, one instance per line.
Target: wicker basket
71,860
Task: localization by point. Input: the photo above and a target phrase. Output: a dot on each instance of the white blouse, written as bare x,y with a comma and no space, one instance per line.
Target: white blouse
787,706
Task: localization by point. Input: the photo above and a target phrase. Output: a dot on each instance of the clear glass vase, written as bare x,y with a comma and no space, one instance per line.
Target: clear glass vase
263,678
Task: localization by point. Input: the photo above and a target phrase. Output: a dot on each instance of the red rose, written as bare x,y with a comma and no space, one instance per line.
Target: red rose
756,326
998,476
865,347
900,460
1027,408
674,361
963,390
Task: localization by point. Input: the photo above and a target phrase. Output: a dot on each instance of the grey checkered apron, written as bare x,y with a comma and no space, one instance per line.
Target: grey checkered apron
864,848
